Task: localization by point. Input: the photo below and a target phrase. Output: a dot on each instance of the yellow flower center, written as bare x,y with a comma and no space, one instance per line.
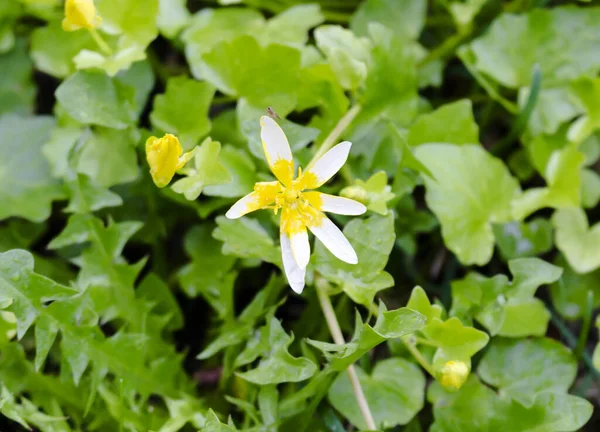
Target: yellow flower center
299,209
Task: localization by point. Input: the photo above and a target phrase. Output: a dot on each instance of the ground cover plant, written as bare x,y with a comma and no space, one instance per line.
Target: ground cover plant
275,215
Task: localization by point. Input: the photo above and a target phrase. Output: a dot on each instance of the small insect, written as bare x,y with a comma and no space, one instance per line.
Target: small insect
271,113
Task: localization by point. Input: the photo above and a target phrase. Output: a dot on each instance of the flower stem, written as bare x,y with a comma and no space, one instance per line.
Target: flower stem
338,338
100,42
419,357
333,136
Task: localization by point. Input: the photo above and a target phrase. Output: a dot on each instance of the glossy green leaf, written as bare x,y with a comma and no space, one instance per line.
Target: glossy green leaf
522,369
372,239
394,391
28,188
16,86
173,16
405,17
183,110
471,191
570,293
86,197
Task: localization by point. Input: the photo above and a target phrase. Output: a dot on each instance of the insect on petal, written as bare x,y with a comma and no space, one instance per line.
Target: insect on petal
277,150
294,273
328,164
334,240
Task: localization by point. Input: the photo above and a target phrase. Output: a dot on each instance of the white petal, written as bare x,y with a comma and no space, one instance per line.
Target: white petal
341,205
295,274
300,248
274,141
331,162
334,240
243,206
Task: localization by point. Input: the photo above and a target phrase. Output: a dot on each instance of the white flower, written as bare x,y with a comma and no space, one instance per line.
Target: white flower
300,207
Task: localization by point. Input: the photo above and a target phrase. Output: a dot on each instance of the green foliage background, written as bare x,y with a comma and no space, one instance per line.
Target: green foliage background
476,139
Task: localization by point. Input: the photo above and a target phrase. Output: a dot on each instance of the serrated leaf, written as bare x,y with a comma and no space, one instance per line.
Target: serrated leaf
577,240
394,392
183,110
373,240
471,191
522,369
28,188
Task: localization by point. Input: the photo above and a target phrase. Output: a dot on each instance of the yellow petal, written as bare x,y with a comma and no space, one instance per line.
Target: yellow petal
80,14
164,157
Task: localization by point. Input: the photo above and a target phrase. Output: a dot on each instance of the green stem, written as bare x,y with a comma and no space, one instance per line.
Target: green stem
338,338
426,342
446,49
334,135
100,42
419,357
584,332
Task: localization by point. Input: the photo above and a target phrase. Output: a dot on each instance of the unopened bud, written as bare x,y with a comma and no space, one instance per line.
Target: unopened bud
453,374
357,193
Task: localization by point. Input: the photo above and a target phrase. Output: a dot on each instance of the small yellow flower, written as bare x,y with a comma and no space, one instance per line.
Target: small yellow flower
164,156
453,374
300,208
80,14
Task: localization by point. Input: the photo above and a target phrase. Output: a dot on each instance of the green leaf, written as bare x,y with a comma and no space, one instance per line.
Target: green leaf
243,172
471,191
563,176
108,157
487,411
53,49
183,110
577,240
208,170
246,238
27,185
554,107
394,391
523,239
523,369
213,424
590,188
507,309
126,17
94,98
405,18
208,27
292,25
506,51
242,68
122,58
278,365
173,16
570,293
452,123
587,92
347,54
16,86
454,340
420,302
390,325
373,240
87,197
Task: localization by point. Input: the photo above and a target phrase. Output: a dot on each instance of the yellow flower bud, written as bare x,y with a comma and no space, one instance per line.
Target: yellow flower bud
357,193
80,14
164,156
453,374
